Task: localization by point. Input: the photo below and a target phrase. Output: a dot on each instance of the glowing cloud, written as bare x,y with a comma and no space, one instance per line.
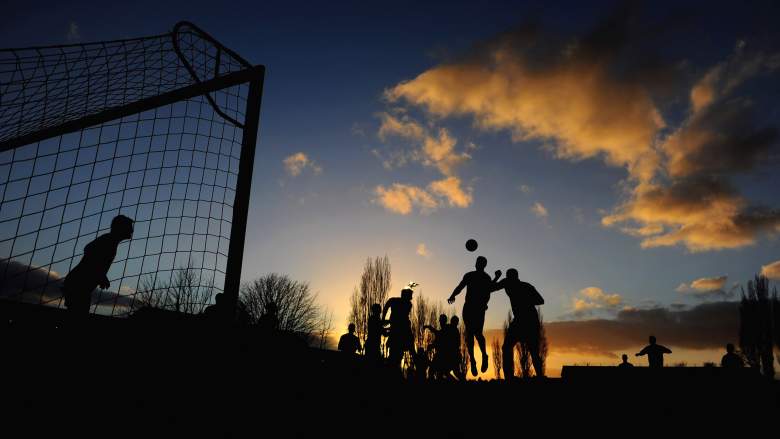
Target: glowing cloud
704,285
296,163
573,101
423,251
539,210
771,270
402,198
450,189
575,96
594,298
434,150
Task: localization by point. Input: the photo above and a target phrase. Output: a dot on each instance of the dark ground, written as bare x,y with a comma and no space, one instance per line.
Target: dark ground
189,381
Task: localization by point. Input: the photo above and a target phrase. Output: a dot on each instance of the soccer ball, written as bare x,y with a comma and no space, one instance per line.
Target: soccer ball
471,245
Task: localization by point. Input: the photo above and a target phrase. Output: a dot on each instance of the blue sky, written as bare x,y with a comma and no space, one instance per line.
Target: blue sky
328,69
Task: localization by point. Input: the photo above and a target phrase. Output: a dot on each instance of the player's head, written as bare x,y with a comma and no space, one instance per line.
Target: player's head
481,263
406,293
454,321
625,358
376,309
351,328
652,339
122,227
442,320
219,298
512,273
730,348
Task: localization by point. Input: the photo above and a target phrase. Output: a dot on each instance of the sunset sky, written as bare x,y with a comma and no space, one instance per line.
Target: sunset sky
622,157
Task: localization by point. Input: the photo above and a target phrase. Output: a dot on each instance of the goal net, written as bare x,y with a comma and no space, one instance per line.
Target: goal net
161,129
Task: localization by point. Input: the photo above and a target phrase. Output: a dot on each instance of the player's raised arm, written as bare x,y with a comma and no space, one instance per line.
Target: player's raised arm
386,308
457,291
538,299
495,286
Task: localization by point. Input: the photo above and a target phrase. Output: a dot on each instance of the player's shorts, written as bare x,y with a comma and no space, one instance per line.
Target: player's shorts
474,319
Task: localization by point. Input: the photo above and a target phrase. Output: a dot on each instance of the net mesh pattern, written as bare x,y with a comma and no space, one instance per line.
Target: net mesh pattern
173,169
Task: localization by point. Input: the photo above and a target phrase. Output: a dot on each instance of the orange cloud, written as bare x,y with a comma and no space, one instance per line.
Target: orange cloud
423,251
434,150
403,127
539,210
571,96
450,189
402,198
296,163
594,298
698,208
771,270
703,214
704,286
574,103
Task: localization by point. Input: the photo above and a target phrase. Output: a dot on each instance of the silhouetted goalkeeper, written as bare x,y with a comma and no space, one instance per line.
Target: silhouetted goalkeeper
91,272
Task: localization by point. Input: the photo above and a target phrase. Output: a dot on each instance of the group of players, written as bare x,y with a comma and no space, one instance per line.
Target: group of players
479,286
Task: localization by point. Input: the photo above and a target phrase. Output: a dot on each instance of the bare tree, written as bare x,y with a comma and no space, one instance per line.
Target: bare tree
463,363
374,286
776,320
495,345
424,313
544,347
186,291
297,310
324,328
755,325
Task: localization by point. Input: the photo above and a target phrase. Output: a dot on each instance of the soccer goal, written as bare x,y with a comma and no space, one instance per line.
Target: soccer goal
161,129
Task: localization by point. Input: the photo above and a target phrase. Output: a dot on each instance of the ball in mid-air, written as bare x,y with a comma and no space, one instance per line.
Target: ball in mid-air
471,245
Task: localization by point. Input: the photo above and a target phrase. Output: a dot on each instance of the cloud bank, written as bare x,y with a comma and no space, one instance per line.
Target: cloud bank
705,326
593,96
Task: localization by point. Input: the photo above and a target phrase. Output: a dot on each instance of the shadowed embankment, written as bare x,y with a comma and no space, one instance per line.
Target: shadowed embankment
154,379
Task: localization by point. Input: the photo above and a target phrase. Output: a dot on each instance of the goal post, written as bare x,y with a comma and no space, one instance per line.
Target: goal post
162,129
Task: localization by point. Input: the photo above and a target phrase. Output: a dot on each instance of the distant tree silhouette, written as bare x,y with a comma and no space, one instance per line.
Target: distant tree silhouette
297,309
496,354
463,359
776,320
425,313
185,291
544,347
756,331
374,286
324,328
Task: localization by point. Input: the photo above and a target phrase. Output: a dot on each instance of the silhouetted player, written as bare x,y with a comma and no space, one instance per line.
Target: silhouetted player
625,364
349,342
91,272
439,345
375,332
269,321
655,353
731,360
452,347
524,327
478,286
401,338
219,312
